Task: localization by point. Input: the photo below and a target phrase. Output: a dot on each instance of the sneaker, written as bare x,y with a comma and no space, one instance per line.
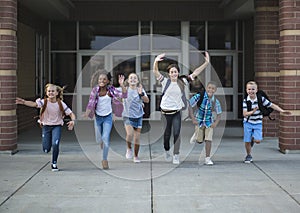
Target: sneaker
176,159
168,156
193,138
54,168
128,154
208,161
199,142
248,159
136,160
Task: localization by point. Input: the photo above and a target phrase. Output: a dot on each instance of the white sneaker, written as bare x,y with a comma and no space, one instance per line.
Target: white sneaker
168,156
128,154
136,160
193,138
176,159
208,161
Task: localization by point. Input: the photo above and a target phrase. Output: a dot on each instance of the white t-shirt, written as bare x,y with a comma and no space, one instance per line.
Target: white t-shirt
172,99
104,106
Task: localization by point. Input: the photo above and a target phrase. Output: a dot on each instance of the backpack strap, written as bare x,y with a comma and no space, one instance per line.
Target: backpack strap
166,87
249,107
61,108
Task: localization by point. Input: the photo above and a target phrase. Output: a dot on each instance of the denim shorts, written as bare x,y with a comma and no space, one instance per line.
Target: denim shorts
252,131
134,122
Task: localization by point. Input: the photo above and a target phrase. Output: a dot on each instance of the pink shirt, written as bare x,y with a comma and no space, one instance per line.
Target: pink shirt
52,114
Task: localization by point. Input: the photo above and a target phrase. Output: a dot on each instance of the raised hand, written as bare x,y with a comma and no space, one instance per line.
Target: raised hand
160,57
121,79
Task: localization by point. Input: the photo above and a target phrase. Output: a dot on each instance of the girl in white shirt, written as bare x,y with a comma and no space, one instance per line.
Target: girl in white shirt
173,101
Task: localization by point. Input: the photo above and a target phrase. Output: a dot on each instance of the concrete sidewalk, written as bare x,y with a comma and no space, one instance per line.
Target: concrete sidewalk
270,184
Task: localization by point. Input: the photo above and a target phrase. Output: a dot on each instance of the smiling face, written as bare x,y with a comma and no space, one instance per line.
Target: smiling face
103,80
211,89
51,92
251,89
173,74
133,79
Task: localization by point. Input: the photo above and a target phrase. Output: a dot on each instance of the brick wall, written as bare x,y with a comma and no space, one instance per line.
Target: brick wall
8,78
266,56
289,80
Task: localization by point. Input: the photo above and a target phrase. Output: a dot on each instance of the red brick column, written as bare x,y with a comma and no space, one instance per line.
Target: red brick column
266,55
289,80
8,78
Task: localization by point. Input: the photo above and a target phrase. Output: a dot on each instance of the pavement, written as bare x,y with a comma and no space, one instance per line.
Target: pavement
269,184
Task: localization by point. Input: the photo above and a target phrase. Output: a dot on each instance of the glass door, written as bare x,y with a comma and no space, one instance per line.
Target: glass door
88,64
224,72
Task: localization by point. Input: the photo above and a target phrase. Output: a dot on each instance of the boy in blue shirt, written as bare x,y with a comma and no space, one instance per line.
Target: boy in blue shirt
205,121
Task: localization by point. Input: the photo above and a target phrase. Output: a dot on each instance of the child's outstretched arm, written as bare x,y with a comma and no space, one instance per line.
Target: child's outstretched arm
279,109
198,70
26,103
155,64
71,123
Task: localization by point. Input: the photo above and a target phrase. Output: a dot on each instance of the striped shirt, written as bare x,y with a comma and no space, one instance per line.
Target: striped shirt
204,114
257,117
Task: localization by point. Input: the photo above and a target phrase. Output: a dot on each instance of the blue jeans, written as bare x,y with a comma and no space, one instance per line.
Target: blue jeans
104,124
51,137
173,120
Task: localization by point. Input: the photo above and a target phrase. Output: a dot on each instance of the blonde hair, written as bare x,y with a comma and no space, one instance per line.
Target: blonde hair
252,83
59,90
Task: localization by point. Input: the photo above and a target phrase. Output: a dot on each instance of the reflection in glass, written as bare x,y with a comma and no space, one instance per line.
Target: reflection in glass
197,35
90,64
162,29
123,65
63,35
221,35
223,66
97,35
64,70
195,60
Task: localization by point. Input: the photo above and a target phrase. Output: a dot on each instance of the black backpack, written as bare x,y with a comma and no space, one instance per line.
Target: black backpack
265,111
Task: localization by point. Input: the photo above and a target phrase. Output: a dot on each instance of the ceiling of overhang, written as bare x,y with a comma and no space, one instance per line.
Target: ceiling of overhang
61,9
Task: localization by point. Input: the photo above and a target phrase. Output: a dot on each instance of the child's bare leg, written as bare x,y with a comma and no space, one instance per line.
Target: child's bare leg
248,148
207,148
137,135
129,135
256,141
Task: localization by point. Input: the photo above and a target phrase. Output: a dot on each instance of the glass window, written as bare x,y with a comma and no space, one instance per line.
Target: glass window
63,35
123,65
195,60
64,70
240,34
162,32
97,35
240,74
90,64
221,35
197,35
223,66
